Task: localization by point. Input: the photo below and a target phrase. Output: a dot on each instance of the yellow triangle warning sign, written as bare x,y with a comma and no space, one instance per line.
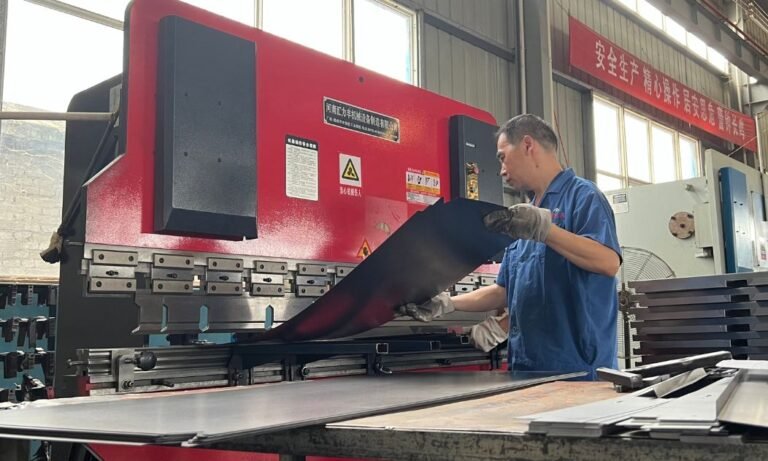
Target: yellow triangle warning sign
365,250
350,172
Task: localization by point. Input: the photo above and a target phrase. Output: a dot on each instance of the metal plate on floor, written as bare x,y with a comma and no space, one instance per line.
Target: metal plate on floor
197,418
430,252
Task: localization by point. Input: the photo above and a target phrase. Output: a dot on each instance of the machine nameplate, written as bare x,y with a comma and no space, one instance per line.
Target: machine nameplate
364,121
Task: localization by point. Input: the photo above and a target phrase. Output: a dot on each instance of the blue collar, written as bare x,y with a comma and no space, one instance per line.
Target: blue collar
558,182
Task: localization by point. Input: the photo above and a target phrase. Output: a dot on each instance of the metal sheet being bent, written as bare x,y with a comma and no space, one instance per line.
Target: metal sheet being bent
197,418
431,251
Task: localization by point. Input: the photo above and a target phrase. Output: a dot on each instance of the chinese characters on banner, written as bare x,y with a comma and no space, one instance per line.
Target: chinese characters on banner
607,62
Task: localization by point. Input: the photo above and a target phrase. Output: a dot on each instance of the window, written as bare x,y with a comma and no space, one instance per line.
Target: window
650,13
689,157
717,59
238,10
631,149
384,33
697,45
43,75
636,147
663,154
114,9
631,4
677,32
392,57
607,146
314,24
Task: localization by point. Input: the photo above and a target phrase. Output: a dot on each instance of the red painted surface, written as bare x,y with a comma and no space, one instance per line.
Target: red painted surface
602,59
158,453
291,84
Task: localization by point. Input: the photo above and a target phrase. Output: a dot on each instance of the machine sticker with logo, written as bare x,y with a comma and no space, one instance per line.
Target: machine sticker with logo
422,186
365,250
301,169
344,115
619,203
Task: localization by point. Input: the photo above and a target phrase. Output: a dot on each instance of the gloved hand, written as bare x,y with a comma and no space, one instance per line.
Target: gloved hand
522,221
427,311
489,333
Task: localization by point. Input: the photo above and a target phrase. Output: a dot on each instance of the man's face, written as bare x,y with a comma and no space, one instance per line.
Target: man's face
515,161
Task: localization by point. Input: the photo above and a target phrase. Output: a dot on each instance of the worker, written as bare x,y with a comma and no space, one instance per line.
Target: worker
558,276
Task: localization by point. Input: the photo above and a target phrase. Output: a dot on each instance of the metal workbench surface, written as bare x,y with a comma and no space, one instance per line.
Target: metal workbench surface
490,428
465,445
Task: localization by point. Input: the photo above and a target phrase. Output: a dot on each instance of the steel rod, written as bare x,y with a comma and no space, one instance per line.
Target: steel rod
65,116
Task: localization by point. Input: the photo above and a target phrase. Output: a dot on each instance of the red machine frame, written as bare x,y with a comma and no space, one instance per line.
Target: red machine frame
292,82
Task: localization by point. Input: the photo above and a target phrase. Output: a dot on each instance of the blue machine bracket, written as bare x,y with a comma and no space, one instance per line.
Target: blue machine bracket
739,256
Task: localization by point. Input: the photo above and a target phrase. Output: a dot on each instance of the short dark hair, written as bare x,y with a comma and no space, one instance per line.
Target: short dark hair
531,125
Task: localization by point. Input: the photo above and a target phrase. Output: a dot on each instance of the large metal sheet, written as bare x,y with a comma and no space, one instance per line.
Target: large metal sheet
431,251
205,417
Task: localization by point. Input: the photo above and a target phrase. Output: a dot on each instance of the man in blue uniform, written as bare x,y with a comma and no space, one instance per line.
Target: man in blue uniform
558,277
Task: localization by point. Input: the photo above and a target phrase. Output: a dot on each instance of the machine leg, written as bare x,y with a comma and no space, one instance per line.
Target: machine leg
292,458
14,450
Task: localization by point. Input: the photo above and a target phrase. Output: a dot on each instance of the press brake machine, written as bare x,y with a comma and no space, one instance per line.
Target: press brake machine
243,178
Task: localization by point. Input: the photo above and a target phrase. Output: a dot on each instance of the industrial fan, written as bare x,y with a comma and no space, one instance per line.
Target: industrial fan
638,264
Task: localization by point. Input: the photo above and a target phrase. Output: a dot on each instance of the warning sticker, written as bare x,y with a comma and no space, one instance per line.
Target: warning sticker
365,250
301,168
350,170
619,203
422,186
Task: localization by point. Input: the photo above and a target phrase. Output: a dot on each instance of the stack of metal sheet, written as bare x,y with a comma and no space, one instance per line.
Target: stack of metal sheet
695,315
691,416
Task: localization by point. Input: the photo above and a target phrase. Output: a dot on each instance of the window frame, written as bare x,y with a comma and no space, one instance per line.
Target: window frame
627,180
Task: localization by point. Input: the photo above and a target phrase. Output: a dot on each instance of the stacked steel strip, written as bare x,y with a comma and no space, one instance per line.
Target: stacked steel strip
684,316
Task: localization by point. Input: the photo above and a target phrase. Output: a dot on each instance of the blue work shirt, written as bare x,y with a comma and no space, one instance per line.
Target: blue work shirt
562,317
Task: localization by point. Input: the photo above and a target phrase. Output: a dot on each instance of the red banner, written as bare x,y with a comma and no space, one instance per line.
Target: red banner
607,62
